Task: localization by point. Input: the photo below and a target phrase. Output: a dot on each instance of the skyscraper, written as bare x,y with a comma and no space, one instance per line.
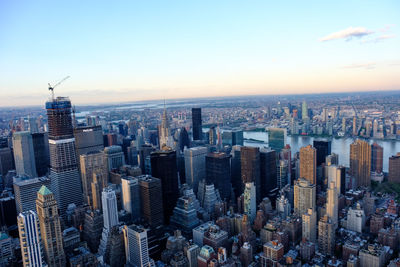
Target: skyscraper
250,163
195,166
250,207
64,174
24,155
164,133
332,208
360,162
308,164
376,158
93,164
394,169
131,196
196,121
309,225
136,246
304,196
110,209
30,241
151,196
268,174
88,139
25,192
218,172
326,236
114,156
41,150
276,138
50,227
304,110
163,166
337,174
6,160
323,148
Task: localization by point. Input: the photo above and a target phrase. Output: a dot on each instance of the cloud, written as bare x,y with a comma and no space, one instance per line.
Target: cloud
367,66
380,38
347,34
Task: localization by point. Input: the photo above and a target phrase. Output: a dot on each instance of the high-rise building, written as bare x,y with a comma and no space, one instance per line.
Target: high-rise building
236,175
250,163
326,236
185,215
50,227
249,202
283,207
268,174
195,166
164,133
25,192
304,196
332,159
93,227
282,171
304,110
163,166
394,169
308,164
131,196
29,238
196,121
309,225
337,174
41,150
136,246
360,162
218,172
376,158
276,138
323,148
93,164
332,205
88,139
24,155
272,252
355,219
6,160
151,197
33,125
110,209
114,156
64,173
192,252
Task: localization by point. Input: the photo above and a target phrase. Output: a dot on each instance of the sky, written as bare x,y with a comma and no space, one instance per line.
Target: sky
119,51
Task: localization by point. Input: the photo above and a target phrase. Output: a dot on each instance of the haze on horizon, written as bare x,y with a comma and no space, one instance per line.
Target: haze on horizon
136,50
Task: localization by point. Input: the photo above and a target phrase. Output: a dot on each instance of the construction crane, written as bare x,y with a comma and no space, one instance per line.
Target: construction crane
51,88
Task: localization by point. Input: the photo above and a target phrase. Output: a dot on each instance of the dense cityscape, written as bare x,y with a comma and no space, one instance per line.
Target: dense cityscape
290,180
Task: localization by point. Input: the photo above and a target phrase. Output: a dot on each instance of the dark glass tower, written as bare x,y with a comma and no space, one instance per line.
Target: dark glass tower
64,174
196,120
250,167
41,149
164,167
218,172
323,149
268,177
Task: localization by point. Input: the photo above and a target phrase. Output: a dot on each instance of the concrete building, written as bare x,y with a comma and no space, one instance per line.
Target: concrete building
151,197
304,196
131,201
360,162
30,240
25,192
136,246
195,165
332,204
309,226
24,155
355,219
326,236
394,169
50,227
308,164
114,156
249,196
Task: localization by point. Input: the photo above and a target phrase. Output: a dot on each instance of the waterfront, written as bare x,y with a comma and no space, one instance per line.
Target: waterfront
340,146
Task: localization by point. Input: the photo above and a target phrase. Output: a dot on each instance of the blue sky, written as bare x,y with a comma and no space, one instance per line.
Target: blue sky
136,50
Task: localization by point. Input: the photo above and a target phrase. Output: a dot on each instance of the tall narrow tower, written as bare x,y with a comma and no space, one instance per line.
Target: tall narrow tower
29,237
64,174
360,162
50,227
196,121
308,164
